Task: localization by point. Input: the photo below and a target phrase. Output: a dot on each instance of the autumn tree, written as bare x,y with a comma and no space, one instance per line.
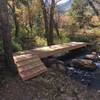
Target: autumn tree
93,6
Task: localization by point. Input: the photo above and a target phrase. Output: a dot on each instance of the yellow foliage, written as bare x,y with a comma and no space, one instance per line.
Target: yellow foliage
40,41
18,11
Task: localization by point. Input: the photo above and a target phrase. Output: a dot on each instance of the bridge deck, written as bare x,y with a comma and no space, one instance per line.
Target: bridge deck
29,62
43,52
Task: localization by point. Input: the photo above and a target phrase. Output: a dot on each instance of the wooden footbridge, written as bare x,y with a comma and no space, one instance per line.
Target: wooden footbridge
29,62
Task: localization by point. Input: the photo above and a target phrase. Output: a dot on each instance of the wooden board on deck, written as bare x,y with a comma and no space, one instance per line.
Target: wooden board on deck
28,64
43,52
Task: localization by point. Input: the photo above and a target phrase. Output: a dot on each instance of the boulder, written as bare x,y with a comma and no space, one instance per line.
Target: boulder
84,64
94,53
92,56
98,43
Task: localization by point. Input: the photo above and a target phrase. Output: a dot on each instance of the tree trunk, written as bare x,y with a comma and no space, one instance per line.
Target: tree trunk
56,28
16,22
29,17
51,23
6,35
45,16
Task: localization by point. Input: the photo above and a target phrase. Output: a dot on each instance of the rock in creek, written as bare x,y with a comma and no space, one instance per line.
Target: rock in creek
83,64
98,43
92,56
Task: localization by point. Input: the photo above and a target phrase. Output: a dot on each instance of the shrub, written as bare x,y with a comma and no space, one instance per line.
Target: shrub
83,37
40,41
16,46
28,43
26,38
63,38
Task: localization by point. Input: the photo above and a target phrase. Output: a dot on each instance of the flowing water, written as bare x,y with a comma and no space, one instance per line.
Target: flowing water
89,78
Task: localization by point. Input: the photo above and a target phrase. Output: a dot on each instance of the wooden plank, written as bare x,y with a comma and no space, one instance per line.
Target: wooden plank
28,67
24,52
76,47
32,70
31,75
43,52
26,62
24,57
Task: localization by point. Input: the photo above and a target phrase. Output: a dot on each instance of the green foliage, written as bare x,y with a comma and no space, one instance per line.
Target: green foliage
37,27
63,38
83,37
26,38
28,43
40,41
80,12
16,46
